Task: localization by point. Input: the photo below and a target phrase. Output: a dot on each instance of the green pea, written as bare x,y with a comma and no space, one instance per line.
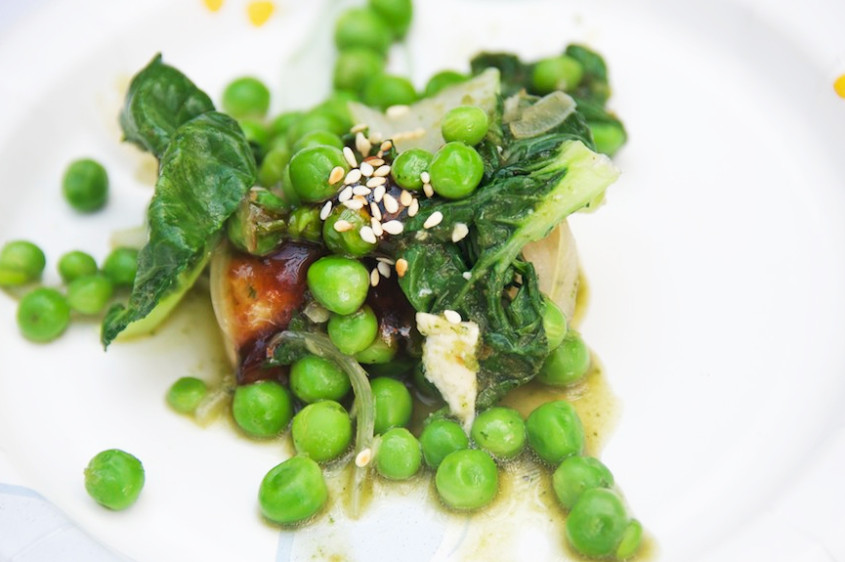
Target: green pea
347,242
310,169
397,14
456,170
282,123
313,378
337,105
43,315
554,323
393,404
609,137
21,262
362,27
114,478
632,537
315,121
385,90
596,524
246,97
356,65
568,363
89,294
85,185
322,430
121,266
398,456
577,474
556,73
293,491
380,352
500,431
262,409
76,264
555,431
317,138
339,284
439,438
408,166
442,80
304,222
467,479
186,394
353,333
466,123
273,166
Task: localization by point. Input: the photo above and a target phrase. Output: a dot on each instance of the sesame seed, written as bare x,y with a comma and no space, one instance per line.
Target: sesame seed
393,227
354,204
324,212
421,235
428,190
414,207
376,226
358,128
401,267
433,219
385,146
353,176
350,156
366,169
378,193
336,174
374,161
405,198
374,277
375,211
343,226
375,182
452,316
395,111
391,205
363,458
384,269
425,177
382,170
363,144
459,231
466,275
367,234
361,190
376,137
388,261
345,194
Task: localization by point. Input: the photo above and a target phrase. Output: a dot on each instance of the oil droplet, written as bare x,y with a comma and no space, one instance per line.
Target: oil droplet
259,12
839,86
213,5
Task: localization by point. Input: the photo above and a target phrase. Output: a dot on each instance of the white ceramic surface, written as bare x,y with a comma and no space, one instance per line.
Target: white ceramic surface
716,270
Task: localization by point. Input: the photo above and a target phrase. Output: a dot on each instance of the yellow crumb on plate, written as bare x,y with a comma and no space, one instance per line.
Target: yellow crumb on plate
839,86
259,12
213,5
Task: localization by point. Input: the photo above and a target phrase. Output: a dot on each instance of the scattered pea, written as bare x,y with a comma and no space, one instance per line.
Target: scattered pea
114,478
89,294
555,432
313,378
76,264
385,90
554,323
353,333
21,262
467,479
397,14
293,491
347,241
186,394
262,409
356,65
456,170
362,27
398,456
85,185
577,474
246,97
442,80
568,363
597,522
121,266
310,169
556,73
322,430
43,315
339,284
466,123
439,438
393,404
408,166
500,431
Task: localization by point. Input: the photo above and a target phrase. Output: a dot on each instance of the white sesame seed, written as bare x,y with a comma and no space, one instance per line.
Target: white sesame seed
345,194
375,182
376,226
391,205
363,458
388,261
361,190
405,198
459,231
336,174
378,193
366,169
343,226
428,190
375,211
467,275
433,219
401,267
393,227
350,156
324,212
452,316
367,234
382,170
384,269
353,176
425,177
354,204
395,111
374,277
363,144
385,146
358,128
421,235
375,161
376,137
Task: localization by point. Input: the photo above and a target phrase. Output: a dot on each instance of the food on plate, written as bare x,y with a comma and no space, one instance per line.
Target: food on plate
114,478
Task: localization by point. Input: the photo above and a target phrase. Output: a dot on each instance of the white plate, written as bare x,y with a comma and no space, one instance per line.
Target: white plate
716,270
